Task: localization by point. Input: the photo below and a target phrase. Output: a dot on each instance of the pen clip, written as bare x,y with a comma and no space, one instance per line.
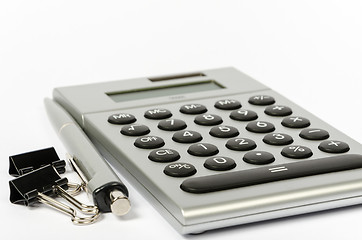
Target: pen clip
72,161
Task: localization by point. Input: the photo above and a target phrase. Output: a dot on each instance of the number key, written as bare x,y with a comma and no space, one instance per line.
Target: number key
208,119
260,127
278,139
172,125
187,136
224,131
219,163
203,150
243,115
240,144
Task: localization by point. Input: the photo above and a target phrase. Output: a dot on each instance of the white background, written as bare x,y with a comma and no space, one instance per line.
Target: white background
310,51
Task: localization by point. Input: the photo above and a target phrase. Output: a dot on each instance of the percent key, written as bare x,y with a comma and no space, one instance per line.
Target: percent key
297,152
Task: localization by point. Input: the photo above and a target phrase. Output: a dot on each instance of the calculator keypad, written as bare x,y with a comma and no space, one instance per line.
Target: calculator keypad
254,124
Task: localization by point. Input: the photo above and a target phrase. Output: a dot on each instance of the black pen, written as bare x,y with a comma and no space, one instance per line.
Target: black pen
108,191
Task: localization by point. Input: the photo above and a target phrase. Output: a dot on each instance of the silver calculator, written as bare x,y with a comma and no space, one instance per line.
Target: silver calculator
216,148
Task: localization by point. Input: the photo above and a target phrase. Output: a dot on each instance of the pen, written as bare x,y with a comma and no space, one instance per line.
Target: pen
108,191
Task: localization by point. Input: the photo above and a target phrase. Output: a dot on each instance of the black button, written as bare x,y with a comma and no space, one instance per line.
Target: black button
179,170
203,150
243,115
208,119
258,157
187,136
227,104
172,125
261,100
121,118
149,142
278,139
297,152
157,113
267,174
314,134
219,163
278,111
164,155
260,127
240,144
295,122
224,131
333,146
135,130
193,109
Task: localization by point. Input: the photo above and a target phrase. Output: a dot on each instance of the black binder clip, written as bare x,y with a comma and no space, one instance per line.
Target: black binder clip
27,162
41,186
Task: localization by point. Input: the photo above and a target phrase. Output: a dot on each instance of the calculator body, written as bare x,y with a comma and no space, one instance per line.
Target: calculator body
194,212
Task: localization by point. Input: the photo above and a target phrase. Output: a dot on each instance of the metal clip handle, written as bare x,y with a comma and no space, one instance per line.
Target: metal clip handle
92,210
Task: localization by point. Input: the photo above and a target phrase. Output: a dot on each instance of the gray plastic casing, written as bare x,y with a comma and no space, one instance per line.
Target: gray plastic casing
193,213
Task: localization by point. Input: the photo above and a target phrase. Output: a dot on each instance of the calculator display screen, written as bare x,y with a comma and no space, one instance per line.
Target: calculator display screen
164,91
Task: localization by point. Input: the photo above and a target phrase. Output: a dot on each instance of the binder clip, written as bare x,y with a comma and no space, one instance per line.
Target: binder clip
27,162
41,186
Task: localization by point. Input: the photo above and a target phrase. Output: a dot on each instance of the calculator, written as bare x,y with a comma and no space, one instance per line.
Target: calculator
216,148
